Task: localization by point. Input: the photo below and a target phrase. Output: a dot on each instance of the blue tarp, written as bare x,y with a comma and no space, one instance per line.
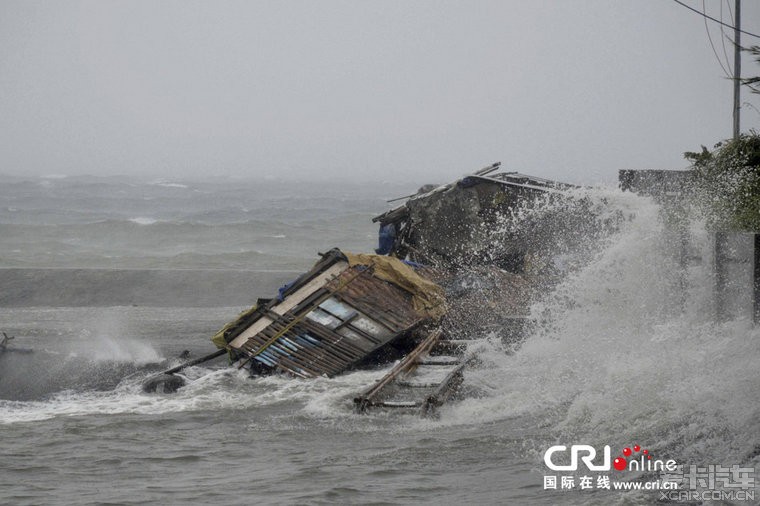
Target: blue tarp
386,239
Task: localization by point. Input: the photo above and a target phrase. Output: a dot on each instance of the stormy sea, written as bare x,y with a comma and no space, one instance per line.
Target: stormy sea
106,280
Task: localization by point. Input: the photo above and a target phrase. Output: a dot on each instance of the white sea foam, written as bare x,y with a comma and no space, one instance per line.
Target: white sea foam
213,392
141,220
168,184
206,390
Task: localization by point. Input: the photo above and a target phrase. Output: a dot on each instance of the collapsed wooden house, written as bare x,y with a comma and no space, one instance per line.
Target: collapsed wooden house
347,310
454,224
497,255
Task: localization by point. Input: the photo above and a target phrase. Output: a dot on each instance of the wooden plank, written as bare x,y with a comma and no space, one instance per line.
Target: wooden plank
408,363
439,361
290,302
399,404
444,390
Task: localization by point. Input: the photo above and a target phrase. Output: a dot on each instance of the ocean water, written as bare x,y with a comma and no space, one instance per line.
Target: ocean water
111,279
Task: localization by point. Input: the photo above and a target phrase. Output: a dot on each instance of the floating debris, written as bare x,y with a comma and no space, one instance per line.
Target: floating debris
422,381
6,341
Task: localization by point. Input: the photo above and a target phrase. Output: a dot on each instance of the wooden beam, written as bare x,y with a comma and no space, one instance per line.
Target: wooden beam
289,303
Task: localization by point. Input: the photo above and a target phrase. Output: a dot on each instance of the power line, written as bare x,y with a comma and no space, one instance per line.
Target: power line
707,29
716,20
723,35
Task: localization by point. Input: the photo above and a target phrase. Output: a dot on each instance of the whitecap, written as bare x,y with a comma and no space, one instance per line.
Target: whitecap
140,220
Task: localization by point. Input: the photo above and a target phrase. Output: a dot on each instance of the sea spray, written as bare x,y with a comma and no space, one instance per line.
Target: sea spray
610,362
107,338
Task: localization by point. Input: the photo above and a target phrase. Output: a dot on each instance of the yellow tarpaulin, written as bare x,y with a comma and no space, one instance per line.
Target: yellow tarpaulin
427,297
219,338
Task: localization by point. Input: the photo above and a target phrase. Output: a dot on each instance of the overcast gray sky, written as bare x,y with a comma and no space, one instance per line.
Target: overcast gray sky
573,90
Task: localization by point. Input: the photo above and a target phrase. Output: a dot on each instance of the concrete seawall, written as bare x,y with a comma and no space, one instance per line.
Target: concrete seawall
160,288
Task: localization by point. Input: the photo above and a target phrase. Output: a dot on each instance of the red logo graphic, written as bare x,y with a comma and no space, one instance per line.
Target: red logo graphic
620,463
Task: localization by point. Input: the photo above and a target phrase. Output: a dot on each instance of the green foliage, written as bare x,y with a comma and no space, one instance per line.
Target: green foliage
728,181
753,83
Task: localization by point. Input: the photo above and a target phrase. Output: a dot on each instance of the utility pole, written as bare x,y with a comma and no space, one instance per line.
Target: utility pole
737,66
756,236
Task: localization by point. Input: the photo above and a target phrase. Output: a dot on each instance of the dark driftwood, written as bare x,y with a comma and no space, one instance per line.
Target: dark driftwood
197,361
4,342
166,382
